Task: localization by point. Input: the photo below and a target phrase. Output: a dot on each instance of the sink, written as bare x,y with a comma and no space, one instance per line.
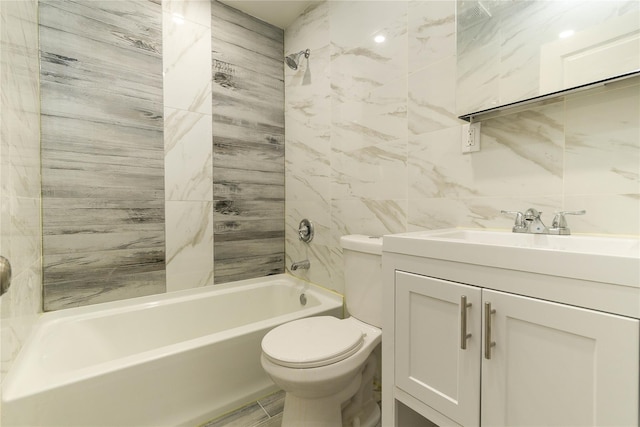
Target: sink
607,246
601,259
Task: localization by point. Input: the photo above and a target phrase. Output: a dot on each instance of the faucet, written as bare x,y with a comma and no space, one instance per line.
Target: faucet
534,222
530,222
304,265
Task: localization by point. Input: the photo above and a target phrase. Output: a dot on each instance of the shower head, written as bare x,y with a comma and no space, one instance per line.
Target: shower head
293,60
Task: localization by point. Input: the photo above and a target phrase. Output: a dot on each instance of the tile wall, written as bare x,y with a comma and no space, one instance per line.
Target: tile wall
224,156
188,149
248,145
373,141
126,169
20,231
102,151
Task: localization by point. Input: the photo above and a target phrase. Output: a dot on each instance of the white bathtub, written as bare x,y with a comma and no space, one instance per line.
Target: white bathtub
174,359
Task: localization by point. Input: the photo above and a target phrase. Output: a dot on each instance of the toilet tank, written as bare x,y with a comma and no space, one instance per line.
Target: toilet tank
362,257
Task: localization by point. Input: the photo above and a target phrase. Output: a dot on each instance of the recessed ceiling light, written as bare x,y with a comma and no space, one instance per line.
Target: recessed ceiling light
177,18
566,33
379,38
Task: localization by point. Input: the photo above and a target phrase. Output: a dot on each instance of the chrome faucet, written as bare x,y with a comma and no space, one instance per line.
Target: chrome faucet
534,222
304,265
530,222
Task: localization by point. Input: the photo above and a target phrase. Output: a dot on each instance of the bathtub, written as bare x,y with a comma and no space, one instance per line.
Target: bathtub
180,358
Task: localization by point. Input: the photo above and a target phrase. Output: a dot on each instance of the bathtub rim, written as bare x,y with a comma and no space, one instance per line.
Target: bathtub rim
13,389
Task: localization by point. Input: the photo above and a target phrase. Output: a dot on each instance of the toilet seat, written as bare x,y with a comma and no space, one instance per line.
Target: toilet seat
312,342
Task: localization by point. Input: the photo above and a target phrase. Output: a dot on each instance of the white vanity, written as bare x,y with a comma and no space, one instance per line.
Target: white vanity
504,329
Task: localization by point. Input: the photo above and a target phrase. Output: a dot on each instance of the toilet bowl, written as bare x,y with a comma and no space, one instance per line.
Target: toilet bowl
326,365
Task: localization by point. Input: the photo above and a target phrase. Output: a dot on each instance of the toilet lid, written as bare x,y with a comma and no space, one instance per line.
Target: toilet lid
312,342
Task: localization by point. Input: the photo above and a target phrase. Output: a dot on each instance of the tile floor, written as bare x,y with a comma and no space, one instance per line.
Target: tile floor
266,412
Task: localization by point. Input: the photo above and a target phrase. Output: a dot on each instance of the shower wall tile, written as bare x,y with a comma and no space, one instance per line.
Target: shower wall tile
390,137
196,11
190,256
188,156
186,61
188,152
368,119
318,251
432,32
308,145
102,151
20,229
248,145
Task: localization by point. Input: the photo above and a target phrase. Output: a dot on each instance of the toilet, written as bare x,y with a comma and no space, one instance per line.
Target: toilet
326,365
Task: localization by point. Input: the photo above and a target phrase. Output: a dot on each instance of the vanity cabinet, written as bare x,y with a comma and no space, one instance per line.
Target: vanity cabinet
470,355
431,364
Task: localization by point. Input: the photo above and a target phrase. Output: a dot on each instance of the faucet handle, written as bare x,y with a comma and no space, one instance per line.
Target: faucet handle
560,221
518,226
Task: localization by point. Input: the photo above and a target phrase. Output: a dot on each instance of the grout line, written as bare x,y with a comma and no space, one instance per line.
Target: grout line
265,411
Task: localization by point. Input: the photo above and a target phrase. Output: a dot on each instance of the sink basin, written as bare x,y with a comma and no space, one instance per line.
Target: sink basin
583,244
601,259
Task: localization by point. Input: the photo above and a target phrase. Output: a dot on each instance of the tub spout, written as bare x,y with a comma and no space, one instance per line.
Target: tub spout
304,265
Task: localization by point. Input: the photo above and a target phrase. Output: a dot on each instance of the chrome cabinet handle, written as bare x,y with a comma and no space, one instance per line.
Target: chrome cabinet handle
464,336
487,330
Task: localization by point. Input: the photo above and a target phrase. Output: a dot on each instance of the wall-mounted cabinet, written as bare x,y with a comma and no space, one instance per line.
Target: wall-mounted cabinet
514,51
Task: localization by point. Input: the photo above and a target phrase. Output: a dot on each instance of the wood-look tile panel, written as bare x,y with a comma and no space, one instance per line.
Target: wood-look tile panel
248,146
222,13
248,267
102,286
233,26
235,191
102,151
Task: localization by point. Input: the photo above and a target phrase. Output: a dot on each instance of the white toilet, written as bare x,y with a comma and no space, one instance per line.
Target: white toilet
326,365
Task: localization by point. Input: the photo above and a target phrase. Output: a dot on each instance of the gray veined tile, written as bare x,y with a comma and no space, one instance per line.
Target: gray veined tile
102,151
248,146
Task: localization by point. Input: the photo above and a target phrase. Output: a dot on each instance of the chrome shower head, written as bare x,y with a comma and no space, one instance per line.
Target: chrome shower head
293,60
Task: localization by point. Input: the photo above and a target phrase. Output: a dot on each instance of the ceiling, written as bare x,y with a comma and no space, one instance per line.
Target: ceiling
278,13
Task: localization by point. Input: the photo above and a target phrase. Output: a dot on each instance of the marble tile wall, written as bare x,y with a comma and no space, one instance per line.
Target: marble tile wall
248,145
373,141
102,151
188,148
20,231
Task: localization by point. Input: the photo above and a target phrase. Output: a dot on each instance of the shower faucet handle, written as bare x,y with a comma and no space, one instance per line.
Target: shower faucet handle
305,230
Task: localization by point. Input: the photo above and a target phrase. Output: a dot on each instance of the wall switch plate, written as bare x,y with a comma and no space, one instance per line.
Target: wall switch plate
470,137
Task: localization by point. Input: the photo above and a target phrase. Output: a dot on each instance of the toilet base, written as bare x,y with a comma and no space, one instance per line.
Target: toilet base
352,407
323,412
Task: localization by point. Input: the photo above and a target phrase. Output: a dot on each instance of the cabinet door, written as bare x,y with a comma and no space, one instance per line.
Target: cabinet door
557,365
430,362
